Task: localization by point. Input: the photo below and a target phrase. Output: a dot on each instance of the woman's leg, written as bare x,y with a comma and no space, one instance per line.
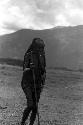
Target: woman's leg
25,115
34,109
28,109
33,115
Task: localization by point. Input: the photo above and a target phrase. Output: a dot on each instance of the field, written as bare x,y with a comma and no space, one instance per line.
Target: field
61,101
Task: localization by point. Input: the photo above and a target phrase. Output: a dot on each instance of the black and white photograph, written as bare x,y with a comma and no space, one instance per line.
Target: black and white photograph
41,62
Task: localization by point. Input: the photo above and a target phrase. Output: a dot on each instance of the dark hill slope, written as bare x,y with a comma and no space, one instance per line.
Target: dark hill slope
64,46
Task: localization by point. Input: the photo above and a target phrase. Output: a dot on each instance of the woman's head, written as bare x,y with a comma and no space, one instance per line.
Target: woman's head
38,43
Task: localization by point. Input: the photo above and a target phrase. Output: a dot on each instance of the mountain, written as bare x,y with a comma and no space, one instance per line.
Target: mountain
64,45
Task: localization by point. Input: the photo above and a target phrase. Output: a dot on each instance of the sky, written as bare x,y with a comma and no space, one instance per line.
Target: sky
39,14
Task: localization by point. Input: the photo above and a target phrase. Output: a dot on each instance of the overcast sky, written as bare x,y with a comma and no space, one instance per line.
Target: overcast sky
39,14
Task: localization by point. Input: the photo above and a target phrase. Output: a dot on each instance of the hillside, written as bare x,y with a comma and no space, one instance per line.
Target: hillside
64,46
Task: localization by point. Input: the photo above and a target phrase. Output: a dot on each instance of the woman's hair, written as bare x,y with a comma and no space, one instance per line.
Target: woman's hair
38,42
36,45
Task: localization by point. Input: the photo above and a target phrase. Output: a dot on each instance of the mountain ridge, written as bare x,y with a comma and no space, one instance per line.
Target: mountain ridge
64,46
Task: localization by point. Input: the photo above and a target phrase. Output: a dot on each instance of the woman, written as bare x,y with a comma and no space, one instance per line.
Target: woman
34,72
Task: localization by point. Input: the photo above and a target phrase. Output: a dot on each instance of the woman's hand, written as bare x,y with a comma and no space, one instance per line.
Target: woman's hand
26,69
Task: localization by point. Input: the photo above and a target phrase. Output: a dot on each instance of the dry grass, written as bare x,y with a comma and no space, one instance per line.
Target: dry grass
61,100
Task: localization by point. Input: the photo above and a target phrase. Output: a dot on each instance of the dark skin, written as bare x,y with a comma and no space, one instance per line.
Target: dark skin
28,81
30,94
31,105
